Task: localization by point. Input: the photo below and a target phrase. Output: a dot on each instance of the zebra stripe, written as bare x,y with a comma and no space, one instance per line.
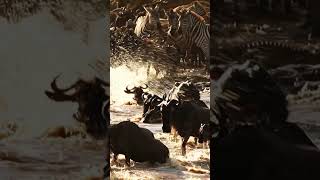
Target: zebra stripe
146,25
195,31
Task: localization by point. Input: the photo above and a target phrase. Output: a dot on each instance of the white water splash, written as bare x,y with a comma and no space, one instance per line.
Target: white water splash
122,76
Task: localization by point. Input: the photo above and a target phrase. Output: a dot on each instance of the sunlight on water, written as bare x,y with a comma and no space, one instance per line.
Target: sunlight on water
120,77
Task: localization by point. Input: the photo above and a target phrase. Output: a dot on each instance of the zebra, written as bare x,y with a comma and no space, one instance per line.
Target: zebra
195,31
179,40
148,24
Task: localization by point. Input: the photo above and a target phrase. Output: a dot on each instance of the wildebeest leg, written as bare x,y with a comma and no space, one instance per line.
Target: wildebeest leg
184,143
174,132
127,160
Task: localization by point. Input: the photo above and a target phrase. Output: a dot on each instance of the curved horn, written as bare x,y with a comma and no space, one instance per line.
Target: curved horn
129,90
55,87
145,86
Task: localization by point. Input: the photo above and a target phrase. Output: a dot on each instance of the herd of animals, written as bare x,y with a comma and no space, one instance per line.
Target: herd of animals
183,25
246,124
180,108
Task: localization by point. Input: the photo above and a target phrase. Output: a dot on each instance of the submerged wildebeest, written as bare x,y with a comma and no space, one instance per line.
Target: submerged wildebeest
136,143
255,141
138,92
185,117
93,109
255,153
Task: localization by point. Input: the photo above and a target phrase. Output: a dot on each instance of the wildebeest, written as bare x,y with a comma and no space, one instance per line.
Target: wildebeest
184,116
151,110
138,92
247,94
255,141
136,143
255,153
93,109
182,91
207,131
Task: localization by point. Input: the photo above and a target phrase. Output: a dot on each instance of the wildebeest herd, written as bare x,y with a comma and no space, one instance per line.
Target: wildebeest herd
180,109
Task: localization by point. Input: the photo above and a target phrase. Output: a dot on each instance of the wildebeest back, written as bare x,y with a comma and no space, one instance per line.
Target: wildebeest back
137,143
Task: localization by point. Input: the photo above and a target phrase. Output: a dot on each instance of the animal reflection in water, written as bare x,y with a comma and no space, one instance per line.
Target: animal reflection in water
93,109
255,141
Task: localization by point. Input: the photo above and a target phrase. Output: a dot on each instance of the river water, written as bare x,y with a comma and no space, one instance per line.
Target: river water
195,165
33,52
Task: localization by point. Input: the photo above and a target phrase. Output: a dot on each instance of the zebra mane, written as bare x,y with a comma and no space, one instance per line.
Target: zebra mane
200,18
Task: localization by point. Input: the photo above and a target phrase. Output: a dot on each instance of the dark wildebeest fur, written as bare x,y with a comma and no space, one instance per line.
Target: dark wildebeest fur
247,94
150,102
151,110
206,131
136,143
138,93
255,141
255,153
186,117
152,116
93,109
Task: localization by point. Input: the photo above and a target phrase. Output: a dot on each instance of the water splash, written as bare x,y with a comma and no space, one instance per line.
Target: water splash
122,76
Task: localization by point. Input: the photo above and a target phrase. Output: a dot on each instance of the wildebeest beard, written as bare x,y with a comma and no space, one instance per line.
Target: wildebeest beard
93,109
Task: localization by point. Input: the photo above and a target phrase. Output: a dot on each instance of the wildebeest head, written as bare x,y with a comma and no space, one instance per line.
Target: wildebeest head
166,109
138,92
93,103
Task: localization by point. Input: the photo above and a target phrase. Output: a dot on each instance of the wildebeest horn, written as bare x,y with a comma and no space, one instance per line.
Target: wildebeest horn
145,86
55,87
129,90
